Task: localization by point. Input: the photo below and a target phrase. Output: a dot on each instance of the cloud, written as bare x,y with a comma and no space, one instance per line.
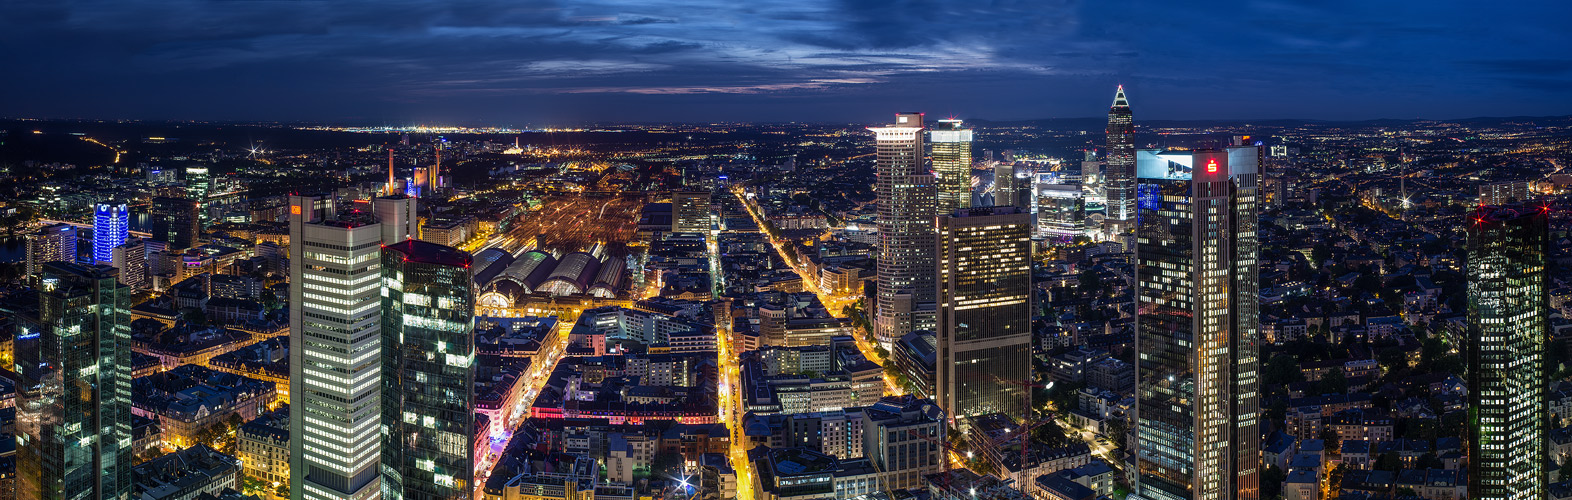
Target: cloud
335,59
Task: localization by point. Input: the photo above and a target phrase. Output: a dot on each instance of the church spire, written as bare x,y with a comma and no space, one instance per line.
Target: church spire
1119,100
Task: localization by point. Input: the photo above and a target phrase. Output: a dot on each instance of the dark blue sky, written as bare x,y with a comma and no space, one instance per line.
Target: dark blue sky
540,62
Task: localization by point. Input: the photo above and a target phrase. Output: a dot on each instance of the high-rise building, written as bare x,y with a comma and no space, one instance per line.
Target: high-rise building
131,261
1197,315
55,242
906,200
198,185
1061,211
176,221
335,342
690,212
952,164
73,421
428,372
1508,313
1004,182
110,226
1119,171
985,311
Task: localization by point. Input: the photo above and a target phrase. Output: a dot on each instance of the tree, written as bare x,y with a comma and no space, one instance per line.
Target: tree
1116,429
666,464
1320,254
1392,359
1272,482
1282,369
1389,461
1335,478
1334,444
1428,461
1406,492
1333,382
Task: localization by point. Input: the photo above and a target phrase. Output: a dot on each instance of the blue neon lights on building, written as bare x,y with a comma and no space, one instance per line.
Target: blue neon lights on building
109,230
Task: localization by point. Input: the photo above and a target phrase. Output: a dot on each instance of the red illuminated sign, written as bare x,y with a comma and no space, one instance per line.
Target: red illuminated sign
1211,166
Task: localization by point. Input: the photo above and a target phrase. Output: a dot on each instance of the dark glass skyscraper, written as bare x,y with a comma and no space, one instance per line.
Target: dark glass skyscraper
1197,308
1119,173
73,420
176,221
428,372
984,311
1508,313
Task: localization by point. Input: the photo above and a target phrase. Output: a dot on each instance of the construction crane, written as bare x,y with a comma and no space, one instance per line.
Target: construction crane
946,448
1027,423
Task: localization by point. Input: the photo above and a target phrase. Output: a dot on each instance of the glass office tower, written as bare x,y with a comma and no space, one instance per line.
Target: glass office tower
428,372
1197,314
1508,313
985,311
952,164
73,408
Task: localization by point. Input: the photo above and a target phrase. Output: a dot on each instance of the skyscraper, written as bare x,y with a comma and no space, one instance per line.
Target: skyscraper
176,222
198,185
1061,211
428,372
130,260
952,164
73,403
56,242
1004,185
1197,306
335,322
1508,313
906,199
1119,171
109,230
985,313
690,212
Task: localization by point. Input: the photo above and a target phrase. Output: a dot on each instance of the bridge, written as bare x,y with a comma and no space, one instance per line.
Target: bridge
50,222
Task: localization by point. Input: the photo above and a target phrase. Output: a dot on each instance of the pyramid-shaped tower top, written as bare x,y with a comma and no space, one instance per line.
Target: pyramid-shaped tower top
1119,100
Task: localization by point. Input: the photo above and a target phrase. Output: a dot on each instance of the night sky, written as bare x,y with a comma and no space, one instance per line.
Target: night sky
541,62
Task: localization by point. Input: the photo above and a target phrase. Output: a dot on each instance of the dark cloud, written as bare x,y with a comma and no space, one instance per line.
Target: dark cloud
548,61
1528,67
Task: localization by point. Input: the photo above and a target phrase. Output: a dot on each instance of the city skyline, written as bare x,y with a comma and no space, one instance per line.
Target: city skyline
429,62
660,249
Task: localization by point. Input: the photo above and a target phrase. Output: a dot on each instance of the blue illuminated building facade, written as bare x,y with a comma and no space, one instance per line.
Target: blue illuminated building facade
109,230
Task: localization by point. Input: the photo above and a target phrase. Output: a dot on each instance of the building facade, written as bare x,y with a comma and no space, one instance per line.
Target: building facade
73,421
1119,169
1061,211
1508,314
428,372
690,212
1197,406
906,202
985,322
335,324
109,230
176,221
951,142
52,243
